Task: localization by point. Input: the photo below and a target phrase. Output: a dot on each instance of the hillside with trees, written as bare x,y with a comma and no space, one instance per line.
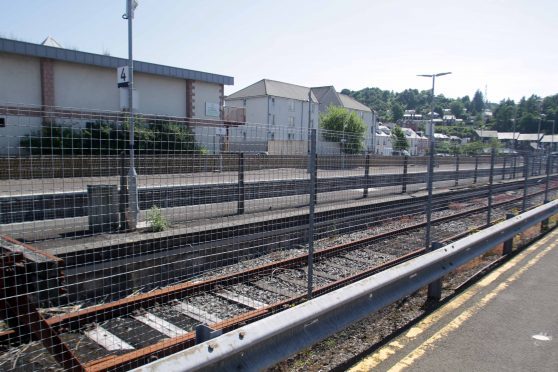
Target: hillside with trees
524,115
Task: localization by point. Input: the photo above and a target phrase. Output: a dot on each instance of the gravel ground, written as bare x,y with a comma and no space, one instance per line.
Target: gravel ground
256,293
337,352
219,307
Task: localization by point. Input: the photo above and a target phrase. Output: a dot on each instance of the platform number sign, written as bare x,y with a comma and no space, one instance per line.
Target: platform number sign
122,76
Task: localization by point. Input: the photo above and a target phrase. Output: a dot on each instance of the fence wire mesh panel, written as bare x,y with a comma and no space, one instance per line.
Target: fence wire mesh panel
236,221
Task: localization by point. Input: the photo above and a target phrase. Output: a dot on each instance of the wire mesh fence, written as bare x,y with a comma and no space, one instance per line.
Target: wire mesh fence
236,221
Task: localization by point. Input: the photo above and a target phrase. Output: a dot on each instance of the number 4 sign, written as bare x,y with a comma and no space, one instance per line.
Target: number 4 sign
122,76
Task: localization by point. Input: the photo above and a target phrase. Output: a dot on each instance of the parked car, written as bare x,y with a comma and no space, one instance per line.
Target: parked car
400,153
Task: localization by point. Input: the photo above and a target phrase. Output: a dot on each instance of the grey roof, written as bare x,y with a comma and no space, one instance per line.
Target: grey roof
266,87
549,138
320,92
74,56
351,103
529,137
487,133
507,135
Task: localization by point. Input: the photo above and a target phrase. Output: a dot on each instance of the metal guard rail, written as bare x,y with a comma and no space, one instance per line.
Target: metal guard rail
272,339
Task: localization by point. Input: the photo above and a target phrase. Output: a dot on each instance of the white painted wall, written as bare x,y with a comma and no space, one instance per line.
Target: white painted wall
256,108
86,87
20,83
20,80
205,92
161,95
291,119
285,122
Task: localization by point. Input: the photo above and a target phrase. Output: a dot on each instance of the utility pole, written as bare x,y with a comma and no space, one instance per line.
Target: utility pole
133,211
431,161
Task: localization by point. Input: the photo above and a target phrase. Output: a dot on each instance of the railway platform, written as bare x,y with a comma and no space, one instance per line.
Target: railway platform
507,321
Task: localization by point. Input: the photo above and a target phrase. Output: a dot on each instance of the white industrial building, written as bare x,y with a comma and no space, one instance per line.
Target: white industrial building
42,76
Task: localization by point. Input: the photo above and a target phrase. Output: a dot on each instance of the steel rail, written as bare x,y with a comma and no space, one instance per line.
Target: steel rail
263,343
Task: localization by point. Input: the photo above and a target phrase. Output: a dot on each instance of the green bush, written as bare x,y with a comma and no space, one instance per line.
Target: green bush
111,138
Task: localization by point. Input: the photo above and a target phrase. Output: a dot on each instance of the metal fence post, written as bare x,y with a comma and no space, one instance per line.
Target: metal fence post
525,183
435,288
405,171
456,170
545,222
476,169
366,175
508,244
546,187
533,165
504,168
490,187
311,209
514,166
241,188
123,192
540,165
315,182
429,186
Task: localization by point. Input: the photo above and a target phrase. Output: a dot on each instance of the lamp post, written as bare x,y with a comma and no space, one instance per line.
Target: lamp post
132,175
431,160
541,116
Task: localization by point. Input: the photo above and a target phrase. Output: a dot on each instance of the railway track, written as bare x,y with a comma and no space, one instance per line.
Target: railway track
132,331
110,272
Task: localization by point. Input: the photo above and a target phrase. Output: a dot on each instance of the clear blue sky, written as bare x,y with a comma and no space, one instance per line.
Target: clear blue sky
507,45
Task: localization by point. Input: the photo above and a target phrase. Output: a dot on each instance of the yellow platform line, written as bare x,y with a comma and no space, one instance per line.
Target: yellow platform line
402,341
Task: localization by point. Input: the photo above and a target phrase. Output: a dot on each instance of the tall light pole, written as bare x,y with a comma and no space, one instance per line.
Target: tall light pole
431,160
133,203
541,116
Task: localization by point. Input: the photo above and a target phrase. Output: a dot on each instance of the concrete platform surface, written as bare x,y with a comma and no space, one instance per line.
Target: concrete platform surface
508,321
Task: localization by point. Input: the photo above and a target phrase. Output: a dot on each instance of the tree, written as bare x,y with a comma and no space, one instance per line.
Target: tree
345,127
398,139
504,115
473,148
478,102
397,111
456,108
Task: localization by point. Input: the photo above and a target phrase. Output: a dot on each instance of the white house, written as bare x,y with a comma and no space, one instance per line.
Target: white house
275,111
383,144
37,77
277,117
417,143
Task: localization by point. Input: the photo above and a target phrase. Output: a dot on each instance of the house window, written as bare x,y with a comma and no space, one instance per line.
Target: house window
244,102
273,102
291,136
313,106
272,119
244,135
291,121
291,105
272,135
2,122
